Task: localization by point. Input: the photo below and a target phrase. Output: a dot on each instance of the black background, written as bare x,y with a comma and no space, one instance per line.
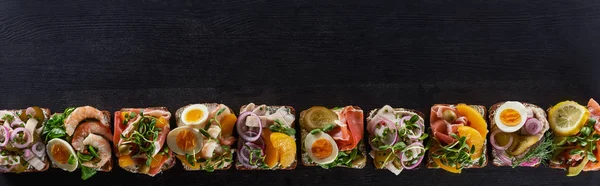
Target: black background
409,53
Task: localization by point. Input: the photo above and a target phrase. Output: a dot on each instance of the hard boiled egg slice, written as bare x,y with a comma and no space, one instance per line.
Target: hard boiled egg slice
195,115
510,116
59,151
321,148
185,140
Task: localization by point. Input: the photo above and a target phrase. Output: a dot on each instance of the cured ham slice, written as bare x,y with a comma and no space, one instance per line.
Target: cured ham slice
348,136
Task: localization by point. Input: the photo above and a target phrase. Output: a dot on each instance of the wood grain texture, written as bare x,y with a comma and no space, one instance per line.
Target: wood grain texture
113,54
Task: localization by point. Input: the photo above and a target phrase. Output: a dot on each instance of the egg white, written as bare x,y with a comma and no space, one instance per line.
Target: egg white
202,120
172,141
310,140
65,166
519,107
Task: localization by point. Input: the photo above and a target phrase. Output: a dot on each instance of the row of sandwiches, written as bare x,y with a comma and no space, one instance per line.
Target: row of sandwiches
210,136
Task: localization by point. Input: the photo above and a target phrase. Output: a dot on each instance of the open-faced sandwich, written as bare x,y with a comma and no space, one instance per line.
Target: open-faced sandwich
139,137
517,134
79,138
333,137
396,137
267,139
203,137
459,137
576,132
21,147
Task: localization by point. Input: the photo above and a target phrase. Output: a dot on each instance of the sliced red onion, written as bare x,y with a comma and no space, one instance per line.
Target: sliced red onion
26,135
27,154
384,123
403,158
244,153
17,123
533,126
501,155
39,149
495,145
242,128
260,141
419,133
6,135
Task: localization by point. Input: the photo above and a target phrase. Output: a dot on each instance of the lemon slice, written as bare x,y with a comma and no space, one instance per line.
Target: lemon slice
566,118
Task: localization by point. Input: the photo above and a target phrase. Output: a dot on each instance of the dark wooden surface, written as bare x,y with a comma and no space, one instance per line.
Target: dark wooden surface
413,53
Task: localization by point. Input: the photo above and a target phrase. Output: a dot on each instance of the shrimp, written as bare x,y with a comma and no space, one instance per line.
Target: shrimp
81,113
209,148
87,128
103,150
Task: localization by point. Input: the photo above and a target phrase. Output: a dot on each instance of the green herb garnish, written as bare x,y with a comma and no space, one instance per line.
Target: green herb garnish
87,172
54,127
278,126
542,152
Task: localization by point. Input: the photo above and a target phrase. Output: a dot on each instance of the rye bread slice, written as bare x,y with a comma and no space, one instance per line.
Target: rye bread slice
170,161
108,166
178,113
270,109
432,165
538,113
305,159
45,158
411,111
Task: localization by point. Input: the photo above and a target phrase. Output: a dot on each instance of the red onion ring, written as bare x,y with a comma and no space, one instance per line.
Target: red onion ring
241,125
6,132
244,153
389,124
530,163
375,121
39,149
533,126
26,135
495,145
17,123
501,155
260,141
418,145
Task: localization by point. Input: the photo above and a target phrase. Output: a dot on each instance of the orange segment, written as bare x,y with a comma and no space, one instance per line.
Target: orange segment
123,114
157,160
272,155
125,161
473,139
286,147
227,124
161,122
185,162
447,168
475,119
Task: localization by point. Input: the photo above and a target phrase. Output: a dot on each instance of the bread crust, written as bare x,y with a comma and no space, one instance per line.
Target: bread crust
45,159
361,146
374,112
180,123
492,122
169,163
239,166
482,111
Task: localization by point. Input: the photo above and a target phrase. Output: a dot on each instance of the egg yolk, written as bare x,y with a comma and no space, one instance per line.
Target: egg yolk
510,117
60,153
194,115
186,140
321,148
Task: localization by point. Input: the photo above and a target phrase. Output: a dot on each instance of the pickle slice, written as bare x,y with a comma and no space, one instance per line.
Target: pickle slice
318,117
